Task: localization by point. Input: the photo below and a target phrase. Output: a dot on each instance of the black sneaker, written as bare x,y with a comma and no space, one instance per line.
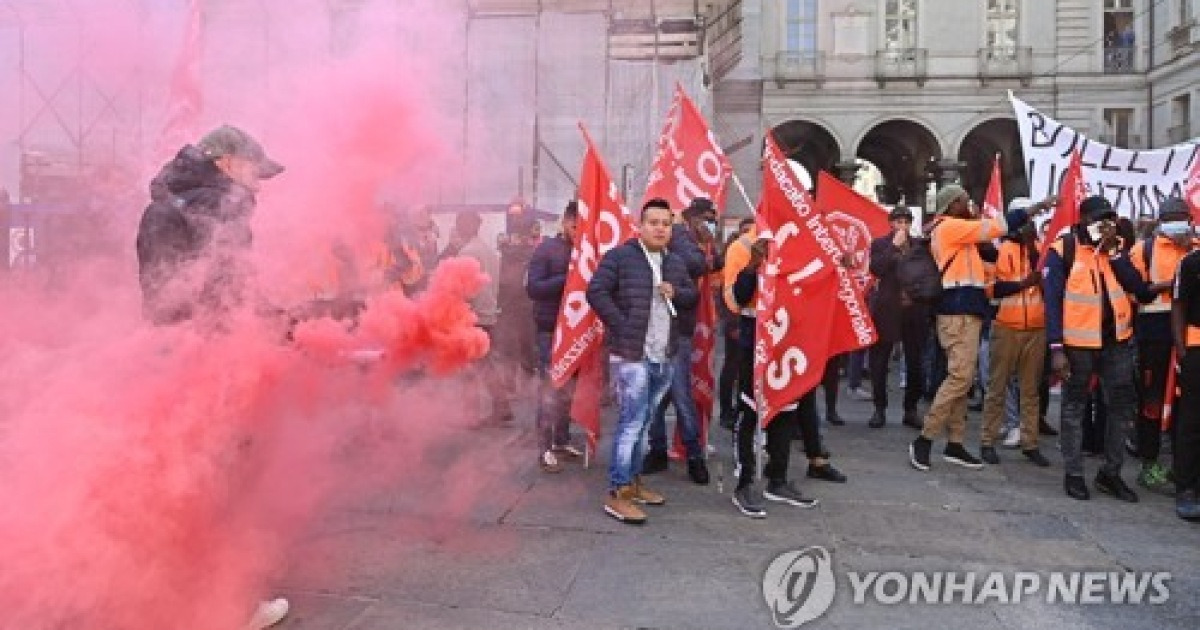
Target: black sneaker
698,471
1036,457
1076,488
785,492
912,420
918,453
833,418
747,504
826,473
878,419
1187,506
956,454
1115,486
988,454
655,462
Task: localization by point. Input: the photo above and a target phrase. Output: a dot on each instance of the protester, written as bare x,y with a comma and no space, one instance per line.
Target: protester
545,282
1185,325
1018,339
1089,325
485,375
514,336
737,252
193,246
963,305
1157,258
899,315
636,292
689,241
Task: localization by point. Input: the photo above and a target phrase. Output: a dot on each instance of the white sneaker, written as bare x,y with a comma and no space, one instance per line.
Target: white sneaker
268,614
1013,438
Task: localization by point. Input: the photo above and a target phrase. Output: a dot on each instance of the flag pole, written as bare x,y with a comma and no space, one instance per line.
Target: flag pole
737,181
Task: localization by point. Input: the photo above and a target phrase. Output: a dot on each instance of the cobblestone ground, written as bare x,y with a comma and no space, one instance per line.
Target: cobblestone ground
531,550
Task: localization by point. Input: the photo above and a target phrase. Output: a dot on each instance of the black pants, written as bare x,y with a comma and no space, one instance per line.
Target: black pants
727,382
1153,362
780,432
1186,432
829,382
1095,422
914,334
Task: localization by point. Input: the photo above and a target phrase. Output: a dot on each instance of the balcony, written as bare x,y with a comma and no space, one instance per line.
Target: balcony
1009,62
1182,38
1118,59
799,66
1122,141
901,64
1179,133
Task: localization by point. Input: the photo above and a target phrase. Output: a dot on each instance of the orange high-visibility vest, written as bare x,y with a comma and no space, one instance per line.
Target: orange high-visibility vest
1193,337
953,242
1163,262
1083,301
737,257
1025,309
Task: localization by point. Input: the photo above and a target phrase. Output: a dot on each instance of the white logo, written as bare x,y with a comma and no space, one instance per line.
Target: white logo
799,586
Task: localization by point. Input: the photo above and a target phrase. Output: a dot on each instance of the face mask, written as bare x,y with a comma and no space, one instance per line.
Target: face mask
712,227
1175,229
1095,231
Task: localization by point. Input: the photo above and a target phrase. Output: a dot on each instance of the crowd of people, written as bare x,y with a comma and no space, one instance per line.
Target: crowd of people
980,307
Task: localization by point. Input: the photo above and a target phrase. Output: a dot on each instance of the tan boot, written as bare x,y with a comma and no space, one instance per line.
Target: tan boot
644,495
619,505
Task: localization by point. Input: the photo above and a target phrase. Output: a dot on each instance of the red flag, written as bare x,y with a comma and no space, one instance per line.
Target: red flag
1168,410
603,223
1191,191
185,98
802,289
854,220
993,200
691,164
1066,214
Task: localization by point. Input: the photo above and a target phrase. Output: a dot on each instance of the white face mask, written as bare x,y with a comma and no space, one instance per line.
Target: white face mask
1175,229
1095,231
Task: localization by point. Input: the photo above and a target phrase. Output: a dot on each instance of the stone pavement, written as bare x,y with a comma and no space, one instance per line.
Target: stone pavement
522,549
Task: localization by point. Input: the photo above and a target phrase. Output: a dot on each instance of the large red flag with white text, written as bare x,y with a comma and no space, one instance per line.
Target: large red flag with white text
854,220
603,223
808,306
691,164
1066,214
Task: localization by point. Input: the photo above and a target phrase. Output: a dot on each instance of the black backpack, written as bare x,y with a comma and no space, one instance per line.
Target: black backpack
919,274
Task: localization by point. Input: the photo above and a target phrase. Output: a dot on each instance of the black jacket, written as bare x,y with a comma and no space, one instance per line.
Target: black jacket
684,245
192,240
622,290
545,279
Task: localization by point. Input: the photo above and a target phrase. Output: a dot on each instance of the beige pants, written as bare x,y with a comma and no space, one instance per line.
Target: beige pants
1021,353
959,336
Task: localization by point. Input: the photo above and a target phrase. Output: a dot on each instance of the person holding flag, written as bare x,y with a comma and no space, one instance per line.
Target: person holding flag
637,291
1089,326
955,234
1156,260
689,240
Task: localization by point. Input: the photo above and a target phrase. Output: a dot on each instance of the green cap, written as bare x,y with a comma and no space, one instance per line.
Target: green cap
229,140
947,195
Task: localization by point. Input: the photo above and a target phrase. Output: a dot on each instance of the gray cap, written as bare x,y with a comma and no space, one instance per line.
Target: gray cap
947,195
229,140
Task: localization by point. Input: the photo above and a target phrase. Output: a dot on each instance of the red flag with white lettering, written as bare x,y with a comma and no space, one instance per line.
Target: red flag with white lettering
802,289
184,100
1066,214
854,220
993,199
691,164
1191,192
603,223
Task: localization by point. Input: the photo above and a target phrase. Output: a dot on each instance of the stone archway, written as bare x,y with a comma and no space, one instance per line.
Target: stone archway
809,144
979,148
907,154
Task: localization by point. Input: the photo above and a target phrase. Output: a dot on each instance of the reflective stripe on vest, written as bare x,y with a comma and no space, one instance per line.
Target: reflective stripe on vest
1024,310
1164,261
1083,308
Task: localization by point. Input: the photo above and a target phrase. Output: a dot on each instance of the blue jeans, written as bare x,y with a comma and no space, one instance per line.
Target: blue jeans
554,404
639,386
680,393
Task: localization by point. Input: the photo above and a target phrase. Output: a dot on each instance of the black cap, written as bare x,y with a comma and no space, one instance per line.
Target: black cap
1095,208
900,212
1174,205
698,206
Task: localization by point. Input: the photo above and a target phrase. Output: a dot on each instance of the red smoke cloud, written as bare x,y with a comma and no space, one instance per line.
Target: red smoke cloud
155,477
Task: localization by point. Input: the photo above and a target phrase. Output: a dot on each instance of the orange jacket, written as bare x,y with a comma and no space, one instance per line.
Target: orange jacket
1023,310
737,257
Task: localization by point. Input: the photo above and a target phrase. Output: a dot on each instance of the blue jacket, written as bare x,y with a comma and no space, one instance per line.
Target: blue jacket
684,245
622,290
545,279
